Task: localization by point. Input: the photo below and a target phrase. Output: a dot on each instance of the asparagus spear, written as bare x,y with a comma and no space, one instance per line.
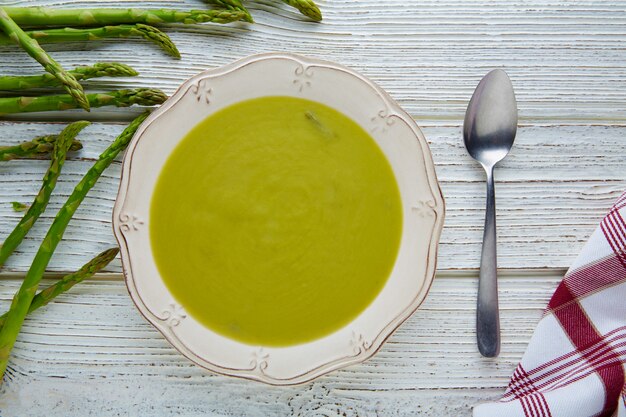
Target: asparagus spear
101,69
24,297
48,17
307,8
61,147
234,5
68,281
118,98
93,34
17,35
38,146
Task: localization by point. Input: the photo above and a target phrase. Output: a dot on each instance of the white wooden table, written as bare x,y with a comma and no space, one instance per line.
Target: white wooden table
92,354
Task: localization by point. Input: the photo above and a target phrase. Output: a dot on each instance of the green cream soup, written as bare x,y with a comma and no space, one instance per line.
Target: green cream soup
276,221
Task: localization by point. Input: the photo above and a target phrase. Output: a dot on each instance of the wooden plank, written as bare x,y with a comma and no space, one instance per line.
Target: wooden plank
552,191
91,353
566,59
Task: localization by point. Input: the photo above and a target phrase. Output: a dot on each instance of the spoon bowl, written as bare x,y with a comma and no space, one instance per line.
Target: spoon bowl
491,119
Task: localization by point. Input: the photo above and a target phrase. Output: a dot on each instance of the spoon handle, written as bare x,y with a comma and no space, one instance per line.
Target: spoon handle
487,314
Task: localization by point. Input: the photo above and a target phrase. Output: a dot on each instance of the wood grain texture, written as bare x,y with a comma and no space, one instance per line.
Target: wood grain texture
92,354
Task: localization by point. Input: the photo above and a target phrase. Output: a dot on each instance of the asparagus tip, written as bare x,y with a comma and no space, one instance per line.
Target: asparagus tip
155,35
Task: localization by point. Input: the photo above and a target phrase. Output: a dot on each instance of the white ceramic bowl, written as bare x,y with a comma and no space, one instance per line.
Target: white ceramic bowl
289,75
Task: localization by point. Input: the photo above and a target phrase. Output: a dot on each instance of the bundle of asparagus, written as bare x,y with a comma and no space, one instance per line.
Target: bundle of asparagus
27,299
117,23
69,80
63,25
118,98
30,45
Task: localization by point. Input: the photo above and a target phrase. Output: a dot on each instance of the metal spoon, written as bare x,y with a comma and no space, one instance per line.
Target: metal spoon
489,131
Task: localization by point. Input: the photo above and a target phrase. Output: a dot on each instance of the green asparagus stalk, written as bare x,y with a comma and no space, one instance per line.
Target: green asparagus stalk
39,146
68,281
24,297
101,69
235,5
149,33
48,17
17,35
62,145
307,8
118,98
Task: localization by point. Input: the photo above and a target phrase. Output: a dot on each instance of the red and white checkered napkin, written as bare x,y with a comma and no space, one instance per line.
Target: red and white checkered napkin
575,363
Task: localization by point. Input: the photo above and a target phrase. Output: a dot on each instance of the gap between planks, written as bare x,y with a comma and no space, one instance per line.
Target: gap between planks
116,116
509,273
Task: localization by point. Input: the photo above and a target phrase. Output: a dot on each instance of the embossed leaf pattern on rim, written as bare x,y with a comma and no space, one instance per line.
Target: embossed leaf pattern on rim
383,120
130,222
170,318
304,76
202,91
